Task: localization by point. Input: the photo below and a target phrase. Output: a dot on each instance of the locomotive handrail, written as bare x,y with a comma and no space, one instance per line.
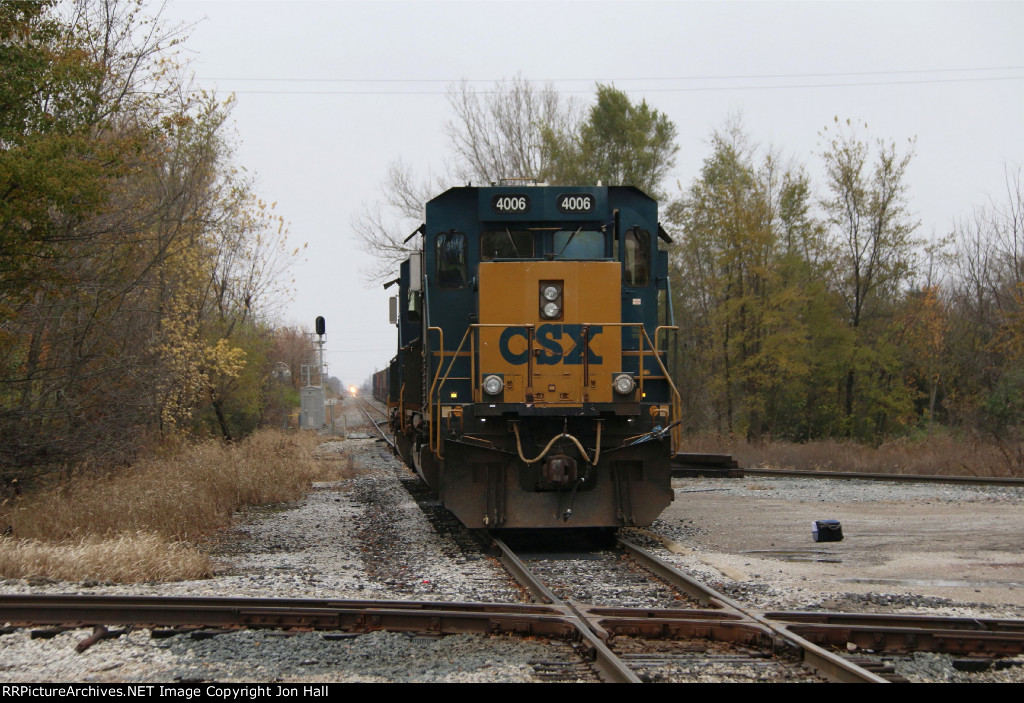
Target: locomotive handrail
436,446
476,327
430,395
676,399
677,432
401,409
643,352
658,330
646,347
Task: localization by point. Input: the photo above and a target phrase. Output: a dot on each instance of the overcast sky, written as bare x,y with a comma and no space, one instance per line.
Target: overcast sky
330,92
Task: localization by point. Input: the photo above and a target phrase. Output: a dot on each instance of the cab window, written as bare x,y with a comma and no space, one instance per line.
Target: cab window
636,264
578,244
452,271
506,244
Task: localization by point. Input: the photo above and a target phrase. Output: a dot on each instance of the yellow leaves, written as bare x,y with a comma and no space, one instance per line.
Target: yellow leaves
224,360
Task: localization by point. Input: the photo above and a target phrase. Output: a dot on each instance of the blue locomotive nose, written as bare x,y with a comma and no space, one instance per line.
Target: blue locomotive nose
529,389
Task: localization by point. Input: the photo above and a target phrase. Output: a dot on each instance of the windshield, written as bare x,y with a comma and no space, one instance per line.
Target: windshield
506,244
579,244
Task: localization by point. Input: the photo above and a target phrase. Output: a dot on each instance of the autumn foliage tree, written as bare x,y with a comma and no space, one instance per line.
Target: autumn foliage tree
750,301
806,317
135,257
872,232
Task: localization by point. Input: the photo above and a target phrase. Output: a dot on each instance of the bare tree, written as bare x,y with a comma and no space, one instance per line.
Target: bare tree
383,227
987,322
498,133
494,134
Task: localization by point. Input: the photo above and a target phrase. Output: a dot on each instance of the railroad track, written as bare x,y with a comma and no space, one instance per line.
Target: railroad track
903,478
701,639
708,632
366,407
717,639
724,466
835,646
709,637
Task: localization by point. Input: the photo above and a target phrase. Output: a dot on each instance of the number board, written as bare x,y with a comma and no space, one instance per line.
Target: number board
575,203
542,204
510,203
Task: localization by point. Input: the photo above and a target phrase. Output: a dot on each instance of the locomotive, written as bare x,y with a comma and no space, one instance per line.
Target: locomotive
530,388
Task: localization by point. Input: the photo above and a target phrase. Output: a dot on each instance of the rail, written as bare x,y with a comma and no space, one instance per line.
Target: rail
830,665
720,618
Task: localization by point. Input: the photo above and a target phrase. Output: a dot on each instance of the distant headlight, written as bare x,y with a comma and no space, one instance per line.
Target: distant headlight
493,385
551,293
624,384
551,310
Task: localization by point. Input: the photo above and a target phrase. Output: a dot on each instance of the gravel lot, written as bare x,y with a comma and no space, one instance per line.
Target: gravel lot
951,550
907,548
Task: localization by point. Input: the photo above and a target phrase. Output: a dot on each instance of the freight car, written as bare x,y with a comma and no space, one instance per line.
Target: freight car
380,386
530,388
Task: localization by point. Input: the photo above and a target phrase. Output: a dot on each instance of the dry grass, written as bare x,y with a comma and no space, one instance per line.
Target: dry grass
940,455
135,524
125,558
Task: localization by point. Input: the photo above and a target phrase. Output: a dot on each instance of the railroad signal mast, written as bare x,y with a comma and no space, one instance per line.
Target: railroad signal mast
313,396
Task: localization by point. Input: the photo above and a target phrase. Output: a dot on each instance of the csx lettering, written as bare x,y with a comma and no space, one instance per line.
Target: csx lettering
551,343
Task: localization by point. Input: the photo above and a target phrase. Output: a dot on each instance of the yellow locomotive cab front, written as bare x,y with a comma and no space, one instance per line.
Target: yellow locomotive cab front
550,330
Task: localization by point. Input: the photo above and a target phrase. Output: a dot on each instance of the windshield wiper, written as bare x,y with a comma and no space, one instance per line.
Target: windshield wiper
513,243
568,242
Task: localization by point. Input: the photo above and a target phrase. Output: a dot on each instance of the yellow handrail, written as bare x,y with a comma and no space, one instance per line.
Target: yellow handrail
658,330
646,347
676,399
436,446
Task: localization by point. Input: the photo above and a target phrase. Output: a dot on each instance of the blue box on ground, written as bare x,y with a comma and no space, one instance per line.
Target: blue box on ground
827,531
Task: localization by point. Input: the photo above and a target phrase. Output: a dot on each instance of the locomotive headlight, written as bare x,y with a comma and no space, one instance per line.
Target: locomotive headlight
551,299
624,384
493,385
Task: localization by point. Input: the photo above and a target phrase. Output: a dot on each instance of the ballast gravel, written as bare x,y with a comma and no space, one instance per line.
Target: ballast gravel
271,656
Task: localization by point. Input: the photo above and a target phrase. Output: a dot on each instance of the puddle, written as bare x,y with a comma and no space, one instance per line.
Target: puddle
947,583
791,555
